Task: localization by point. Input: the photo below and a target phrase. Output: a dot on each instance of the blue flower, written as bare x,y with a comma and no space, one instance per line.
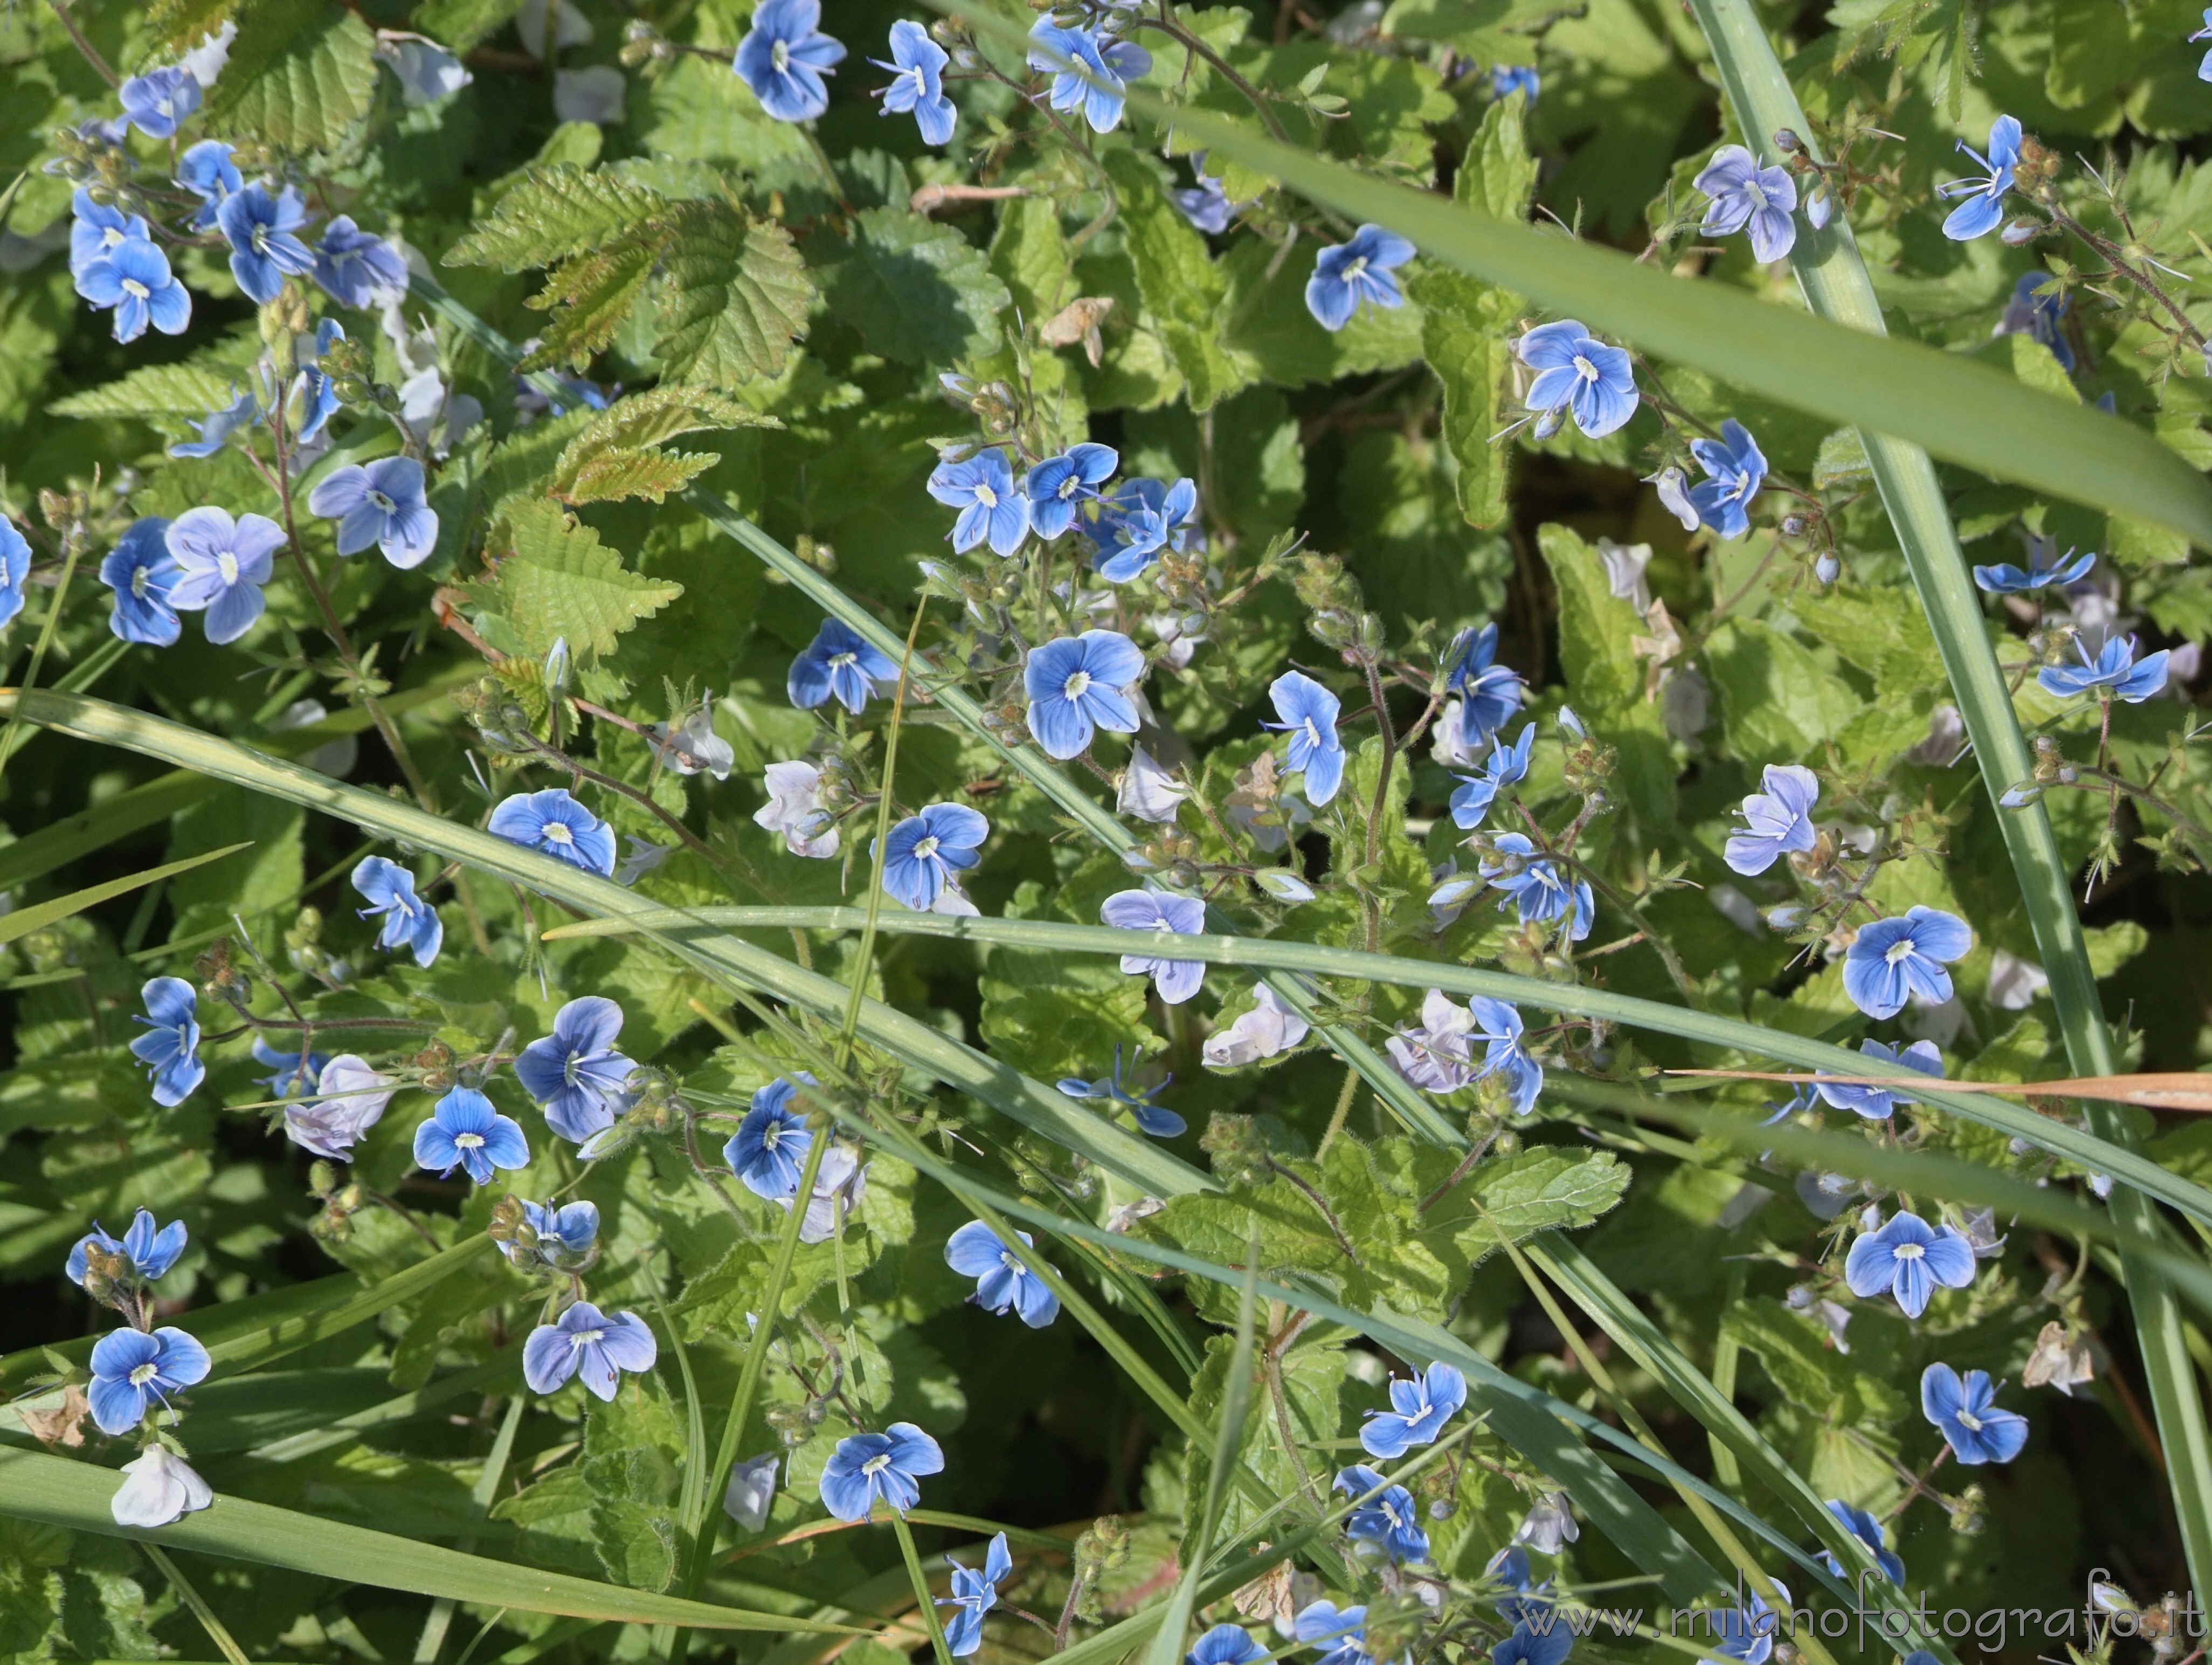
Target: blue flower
1308,711
425,70
1499,1026
1174,980
768,1150
561,1237
1056,486
352,264
151,1250
1737,470
1078,685
170,1049
1419,1407
574,1074
1506,765
1088,73
1539,886
1506,78
1388,1519
865,1467
1206,204
2204,69
990,500
924,851
1878,1103
1746,196
97,230
1576,375
1489,694
408,921
217,427
15,569
2044,567
584,1341
465,1131
292,1074
2114,667
259,227
1777,820
207,171
381,503
1139,520
1985,192
1908,1258
1341,1633
1747,1633
1528,1646
839,661
784,56
318,392
918,88
1346,273
1965,1413
1151,1118
130,1368
1518,1594
222,564
1893,959
974,1593
1003,1281
2037,303
554,824
156,102
1868,1530
1225,1645
134,278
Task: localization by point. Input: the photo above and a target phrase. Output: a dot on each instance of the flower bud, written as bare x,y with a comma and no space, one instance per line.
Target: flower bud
1236,1147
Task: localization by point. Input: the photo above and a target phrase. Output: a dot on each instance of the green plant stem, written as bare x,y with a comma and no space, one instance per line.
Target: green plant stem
861,961
45,640
922,1596
441,1617
217,1632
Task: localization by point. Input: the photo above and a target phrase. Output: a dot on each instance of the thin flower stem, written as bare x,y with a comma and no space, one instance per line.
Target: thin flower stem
1343,1108
91,54
2117,258
225,1643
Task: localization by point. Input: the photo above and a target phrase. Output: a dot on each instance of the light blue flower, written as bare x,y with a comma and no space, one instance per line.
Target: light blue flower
1347,275
291,1074
2037,303
465,1132
1143,518
918,89
132,1369
1506,765
1747,1633
1151,1118
170,1049
1088,72
1737,469
352,264
974,1593
217,425
564,1236
1908,1258
207,171
264,248
784,56
1893,959
1510,78
1541,889
922,852
1419,1407
1877,1104
1500,1027
554,824
151,1250
134,278
841,663
1576,375
768,1150
426,71
1174,980
1078,685
15,569
381,503
1308,711
1965,1413
1868,1530
1225,1645
408,921
1341,1633
593,1345
1748,197
353,1100
1983,210
1206,204
1388,1519
98,229
2204,69
1488,693
2044,567
888,1466
157,102
222,564
1527,1645
1517,1594
574,1074
1777,820
992,506
1057,486
2114,667
1003,1281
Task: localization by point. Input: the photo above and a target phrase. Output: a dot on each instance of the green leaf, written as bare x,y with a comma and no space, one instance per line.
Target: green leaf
458,25
738,295
1030,255
1779,701
1597,628
659,414
622,472
1535,1190
1184,292
591,297
555,212
919,293
21,922
298,78
557,580
153,390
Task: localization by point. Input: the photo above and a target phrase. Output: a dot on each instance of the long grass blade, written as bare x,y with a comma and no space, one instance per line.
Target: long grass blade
23,921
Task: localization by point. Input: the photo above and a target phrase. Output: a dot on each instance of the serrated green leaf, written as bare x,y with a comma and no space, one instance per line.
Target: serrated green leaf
1464,337
737,297
1505,1200
316,82
181,24
153,390
918,292
460,24
555,212
623,472
557,580
1030,255
1778,702
659,414
1184,292
591,297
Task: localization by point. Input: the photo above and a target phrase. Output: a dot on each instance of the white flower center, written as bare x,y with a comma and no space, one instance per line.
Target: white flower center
1967,1420
1313,734
1354,267
1069,487
876,1465
1078,684
780,55
986,496
384,504
925,850
144,1373
140,580
132,286
1908,1251
583,1338
469,1140
111,238
559,832
1011,1262
772,1138
839,661
1754,190
1900,952
1584,368
226,562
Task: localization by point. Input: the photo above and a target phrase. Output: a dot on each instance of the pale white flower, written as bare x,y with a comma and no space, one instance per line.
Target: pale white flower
1268,1029
574,30
1147,791
839,1189
351,1099
162,1488
2014,983
1548,1525
794,809
1674,488
751,1492
206,60
1624,573
427,72
694,747
595,94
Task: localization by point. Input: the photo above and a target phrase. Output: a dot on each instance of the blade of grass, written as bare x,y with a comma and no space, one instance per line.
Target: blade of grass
23,921
217,1632
440,1618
